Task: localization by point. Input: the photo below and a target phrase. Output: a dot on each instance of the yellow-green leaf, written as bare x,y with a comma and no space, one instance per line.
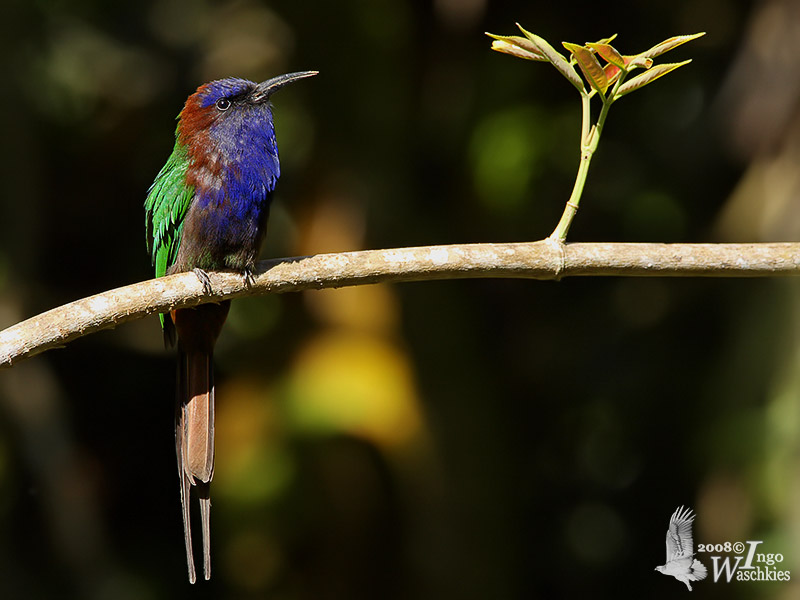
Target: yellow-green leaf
555,58
590,66
607,40
639,61
669,44
648,76
609,54
516,46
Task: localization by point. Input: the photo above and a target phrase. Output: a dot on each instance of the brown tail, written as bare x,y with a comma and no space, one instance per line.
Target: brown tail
197,330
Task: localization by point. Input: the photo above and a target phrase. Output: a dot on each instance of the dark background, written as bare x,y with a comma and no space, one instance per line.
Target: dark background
487,439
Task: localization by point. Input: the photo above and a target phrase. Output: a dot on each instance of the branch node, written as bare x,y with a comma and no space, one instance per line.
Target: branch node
558,246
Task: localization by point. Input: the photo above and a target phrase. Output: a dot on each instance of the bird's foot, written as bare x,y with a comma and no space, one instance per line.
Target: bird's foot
205,280
249,277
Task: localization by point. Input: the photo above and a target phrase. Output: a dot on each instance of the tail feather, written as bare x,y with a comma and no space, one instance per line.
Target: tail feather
187,527
205,523
197,330
186,482
194,440
699,570
198,440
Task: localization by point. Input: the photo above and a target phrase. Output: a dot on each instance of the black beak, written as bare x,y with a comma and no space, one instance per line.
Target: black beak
266,88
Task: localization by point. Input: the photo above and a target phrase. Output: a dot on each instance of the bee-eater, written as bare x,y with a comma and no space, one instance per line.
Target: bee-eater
207,210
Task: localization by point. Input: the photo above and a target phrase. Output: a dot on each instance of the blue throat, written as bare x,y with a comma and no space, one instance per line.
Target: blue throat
226,222
246,153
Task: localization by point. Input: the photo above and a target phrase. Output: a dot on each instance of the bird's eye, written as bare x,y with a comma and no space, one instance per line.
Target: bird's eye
223,104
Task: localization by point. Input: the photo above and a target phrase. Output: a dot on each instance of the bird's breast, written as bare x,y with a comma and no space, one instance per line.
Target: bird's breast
226,221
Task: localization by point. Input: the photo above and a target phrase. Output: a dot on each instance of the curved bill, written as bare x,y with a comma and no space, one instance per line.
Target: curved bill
266,88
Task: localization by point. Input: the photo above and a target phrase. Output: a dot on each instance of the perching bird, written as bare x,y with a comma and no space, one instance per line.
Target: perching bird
681,563
207,210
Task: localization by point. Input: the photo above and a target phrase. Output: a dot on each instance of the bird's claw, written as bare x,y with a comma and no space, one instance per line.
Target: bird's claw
249,277
205,280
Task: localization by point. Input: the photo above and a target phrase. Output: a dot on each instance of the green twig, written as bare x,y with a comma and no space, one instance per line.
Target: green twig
600,78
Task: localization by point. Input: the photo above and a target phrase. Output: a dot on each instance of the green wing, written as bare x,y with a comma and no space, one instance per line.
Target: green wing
167,201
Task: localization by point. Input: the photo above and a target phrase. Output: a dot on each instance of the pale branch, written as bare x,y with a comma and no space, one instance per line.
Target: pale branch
545,259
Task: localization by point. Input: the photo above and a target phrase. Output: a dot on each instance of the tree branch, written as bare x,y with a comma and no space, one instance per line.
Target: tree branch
544,259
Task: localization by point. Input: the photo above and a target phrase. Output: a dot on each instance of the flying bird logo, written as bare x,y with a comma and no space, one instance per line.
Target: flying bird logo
681,563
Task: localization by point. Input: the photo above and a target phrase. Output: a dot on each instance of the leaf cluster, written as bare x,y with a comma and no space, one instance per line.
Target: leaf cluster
606,71
608,78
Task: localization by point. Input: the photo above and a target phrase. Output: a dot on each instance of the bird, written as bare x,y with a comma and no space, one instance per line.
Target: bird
207,209
681,562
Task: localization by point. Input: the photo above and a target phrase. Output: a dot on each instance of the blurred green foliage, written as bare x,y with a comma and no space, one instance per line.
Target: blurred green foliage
506,153
465,439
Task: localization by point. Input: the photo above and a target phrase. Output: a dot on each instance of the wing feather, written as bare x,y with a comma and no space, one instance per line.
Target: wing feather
167,201
680,543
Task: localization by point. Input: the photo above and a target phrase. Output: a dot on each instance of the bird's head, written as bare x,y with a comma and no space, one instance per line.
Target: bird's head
228,111
661,568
